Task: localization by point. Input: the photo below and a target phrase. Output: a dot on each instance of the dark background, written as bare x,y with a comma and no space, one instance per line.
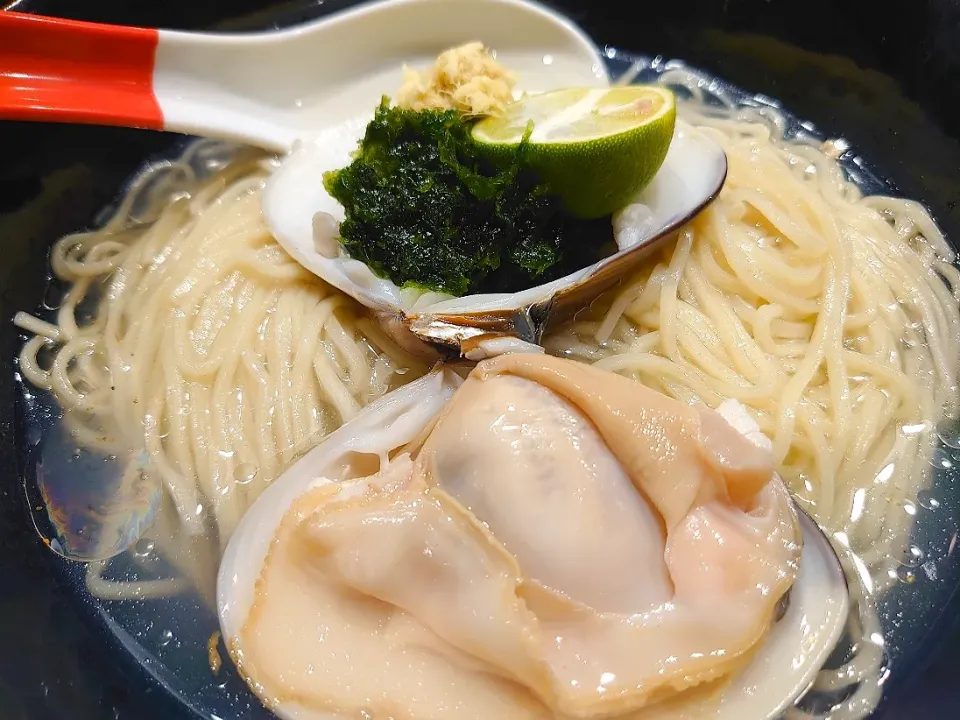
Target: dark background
886,75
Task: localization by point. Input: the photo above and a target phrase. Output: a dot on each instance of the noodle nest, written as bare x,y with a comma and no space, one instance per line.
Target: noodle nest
186,331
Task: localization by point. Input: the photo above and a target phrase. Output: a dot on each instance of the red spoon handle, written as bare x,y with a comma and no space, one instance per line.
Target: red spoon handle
66,71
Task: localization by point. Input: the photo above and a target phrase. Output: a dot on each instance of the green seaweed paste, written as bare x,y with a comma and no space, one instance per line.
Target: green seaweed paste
424,208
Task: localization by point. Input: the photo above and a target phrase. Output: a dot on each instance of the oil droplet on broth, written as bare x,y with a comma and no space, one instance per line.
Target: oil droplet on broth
943,459
144,548
245,473
927,501
912,557
906,575
949,433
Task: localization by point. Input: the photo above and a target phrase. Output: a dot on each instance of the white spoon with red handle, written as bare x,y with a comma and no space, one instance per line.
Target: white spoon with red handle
270,88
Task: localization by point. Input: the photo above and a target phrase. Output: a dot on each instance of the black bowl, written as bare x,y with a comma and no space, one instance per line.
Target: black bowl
886,75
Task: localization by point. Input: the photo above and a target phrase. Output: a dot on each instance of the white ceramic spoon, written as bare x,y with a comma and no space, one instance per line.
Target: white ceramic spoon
270,88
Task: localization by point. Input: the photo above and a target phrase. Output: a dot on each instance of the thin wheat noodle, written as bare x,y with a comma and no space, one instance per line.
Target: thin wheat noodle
210,347
833,317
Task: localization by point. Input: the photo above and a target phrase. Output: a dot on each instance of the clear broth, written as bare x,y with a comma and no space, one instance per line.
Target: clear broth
176,639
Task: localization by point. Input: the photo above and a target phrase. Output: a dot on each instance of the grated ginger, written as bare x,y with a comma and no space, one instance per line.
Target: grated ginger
466,79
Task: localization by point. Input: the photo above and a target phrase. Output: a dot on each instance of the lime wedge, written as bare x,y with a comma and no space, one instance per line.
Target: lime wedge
596,147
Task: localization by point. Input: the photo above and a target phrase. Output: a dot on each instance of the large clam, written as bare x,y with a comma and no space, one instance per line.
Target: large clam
300,213
529,543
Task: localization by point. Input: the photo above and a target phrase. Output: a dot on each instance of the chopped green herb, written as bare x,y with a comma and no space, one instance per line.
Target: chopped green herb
423,207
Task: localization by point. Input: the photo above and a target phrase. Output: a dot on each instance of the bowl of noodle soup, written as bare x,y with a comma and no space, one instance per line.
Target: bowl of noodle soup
811,291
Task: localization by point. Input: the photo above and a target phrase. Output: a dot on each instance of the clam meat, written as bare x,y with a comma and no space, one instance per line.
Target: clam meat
543,540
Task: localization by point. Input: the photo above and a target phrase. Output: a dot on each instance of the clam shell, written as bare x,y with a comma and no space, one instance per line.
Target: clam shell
779,672
301,215
691,177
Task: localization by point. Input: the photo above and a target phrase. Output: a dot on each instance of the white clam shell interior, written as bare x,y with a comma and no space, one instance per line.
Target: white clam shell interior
303,217
691,175
780,671
544,50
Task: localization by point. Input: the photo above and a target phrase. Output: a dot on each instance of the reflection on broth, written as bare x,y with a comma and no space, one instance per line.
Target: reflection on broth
831,317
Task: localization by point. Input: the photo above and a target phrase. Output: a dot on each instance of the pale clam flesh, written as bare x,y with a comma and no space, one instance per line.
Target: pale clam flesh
404,505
